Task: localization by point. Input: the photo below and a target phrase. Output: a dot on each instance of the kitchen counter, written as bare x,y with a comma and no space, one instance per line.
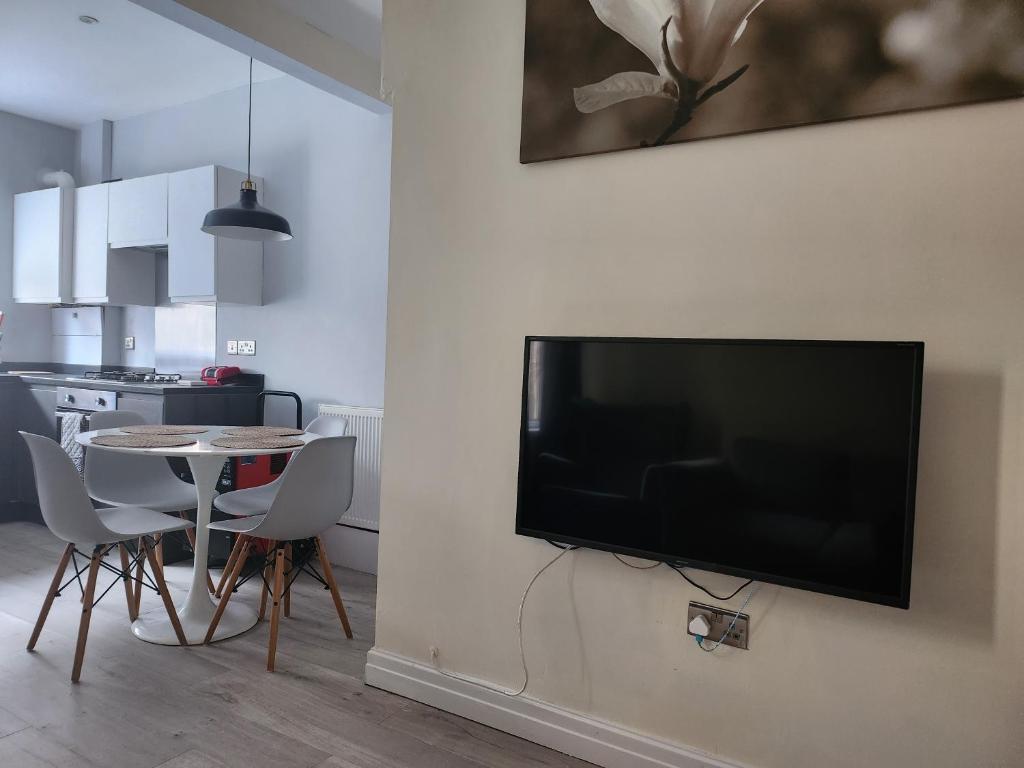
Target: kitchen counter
250,384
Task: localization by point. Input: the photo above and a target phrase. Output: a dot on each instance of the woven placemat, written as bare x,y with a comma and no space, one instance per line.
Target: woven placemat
143,441
163,429
262,431
257,443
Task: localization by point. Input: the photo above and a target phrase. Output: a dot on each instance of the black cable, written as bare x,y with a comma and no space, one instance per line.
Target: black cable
705,590
677,569
637,567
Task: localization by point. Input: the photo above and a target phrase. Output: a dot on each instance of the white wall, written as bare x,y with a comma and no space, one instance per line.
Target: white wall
326,165
902,227
27,147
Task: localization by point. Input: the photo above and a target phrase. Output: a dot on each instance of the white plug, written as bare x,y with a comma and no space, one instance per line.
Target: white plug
700,625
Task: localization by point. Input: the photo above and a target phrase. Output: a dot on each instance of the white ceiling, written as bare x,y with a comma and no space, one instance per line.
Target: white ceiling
357,22
55,68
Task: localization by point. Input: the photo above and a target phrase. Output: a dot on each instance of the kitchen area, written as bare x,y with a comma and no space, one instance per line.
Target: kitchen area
115,295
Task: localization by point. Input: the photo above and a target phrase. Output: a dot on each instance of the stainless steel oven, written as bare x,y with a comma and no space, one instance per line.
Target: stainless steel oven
73,408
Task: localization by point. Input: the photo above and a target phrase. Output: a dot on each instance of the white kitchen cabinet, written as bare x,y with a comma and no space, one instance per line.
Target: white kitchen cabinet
100,274
201,267
138,212
43,223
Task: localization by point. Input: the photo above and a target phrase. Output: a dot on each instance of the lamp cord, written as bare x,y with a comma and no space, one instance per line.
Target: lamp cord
248,145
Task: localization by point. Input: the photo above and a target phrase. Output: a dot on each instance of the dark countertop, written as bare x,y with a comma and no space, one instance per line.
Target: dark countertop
252,383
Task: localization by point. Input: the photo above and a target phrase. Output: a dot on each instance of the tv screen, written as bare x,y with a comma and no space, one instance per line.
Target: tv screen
791,462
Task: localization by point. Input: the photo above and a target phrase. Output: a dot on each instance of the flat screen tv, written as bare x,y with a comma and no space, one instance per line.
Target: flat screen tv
790,462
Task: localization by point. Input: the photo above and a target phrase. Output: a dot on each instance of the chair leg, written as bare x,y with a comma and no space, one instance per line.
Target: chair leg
288,580
62,566
275,611
246,543
158,547
190,534
139,568
129,593
268,576
325,565
229,565
83,623
165,593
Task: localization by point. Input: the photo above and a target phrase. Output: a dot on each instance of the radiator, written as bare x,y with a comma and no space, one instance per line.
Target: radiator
365,424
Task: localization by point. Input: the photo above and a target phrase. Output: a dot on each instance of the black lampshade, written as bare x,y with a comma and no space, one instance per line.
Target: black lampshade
247,220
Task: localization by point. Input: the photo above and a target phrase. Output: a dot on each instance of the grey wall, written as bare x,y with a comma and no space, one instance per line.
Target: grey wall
321,331
27,147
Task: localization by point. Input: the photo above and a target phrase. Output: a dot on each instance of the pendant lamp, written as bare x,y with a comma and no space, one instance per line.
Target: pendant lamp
247,219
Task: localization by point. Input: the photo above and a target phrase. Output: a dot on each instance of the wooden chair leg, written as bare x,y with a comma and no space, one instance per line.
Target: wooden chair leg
288,580
325,565
268,576
158,542
275,611
229,565
83,623
139,568
62,566
165,593
190,534
229,587
129,592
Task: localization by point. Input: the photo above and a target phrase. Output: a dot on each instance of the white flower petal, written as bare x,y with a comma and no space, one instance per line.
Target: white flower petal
622,87
724,27
640,22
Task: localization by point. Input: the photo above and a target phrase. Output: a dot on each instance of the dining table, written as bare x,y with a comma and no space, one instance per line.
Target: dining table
206,462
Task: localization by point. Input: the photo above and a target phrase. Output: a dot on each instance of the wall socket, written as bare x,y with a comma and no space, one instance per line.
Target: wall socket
232,347
720,619
129,342
246,347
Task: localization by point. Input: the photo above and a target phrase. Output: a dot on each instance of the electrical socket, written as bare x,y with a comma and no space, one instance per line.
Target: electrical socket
247,347
232,347
720,619
129,342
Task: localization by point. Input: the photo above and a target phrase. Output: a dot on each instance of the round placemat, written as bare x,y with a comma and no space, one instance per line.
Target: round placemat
143,441
163,429
262,431
257,443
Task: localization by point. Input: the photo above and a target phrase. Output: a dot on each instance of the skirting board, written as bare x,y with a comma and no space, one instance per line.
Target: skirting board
574,734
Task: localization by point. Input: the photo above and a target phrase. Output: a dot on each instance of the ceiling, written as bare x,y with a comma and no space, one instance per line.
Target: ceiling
57,69
357,22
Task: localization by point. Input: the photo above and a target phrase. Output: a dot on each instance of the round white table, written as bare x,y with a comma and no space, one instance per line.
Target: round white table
206,462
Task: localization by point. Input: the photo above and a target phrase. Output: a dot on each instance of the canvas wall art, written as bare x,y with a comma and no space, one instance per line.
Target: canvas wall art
605,75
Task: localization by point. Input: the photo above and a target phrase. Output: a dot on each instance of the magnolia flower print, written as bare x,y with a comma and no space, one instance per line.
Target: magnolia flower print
687,42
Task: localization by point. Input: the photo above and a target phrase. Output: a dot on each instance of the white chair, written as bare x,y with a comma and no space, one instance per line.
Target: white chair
315,490
256,501
69,514
123,479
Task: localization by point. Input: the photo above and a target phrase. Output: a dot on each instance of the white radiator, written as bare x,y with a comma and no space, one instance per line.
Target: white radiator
365,424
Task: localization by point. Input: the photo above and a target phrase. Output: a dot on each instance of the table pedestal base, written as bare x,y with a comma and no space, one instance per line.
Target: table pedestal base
154,626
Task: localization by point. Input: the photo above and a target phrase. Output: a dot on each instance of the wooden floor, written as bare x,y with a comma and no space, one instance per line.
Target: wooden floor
148,706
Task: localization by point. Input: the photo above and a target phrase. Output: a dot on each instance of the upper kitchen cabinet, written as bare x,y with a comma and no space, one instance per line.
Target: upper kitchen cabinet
201,267
43,223
138,212
100,274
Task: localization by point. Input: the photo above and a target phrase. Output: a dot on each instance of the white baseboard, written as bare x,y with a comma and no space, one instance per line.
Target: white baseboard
574,734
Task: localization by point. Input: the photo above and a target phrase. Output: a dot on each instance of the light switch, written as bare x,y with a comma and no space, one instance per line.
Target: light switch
129,342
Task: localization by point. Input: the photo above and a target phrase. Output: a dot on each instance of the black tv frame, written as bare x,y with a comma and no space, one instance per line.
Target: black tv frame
902,600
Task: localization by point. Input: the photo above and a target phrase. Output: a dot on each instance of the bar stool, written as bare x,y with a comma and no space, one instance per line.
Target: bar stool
71,517
256,501
122,479
315,490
